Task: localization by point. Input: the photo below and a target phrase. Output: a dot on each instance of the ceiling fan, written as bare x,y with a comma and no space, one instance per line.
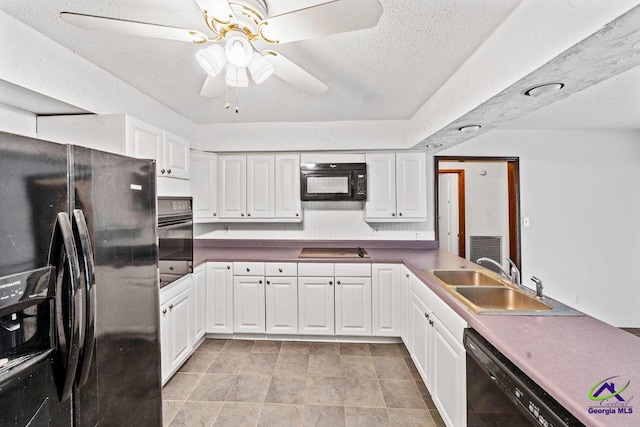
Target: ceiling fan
237,25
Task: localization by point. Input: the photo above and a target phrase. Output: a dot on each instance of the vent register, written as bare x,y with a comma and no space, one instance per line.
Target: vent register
486,246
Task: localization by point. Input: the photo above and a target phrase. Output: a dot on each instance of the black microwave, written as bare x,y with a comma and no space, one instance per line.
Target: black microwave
333,181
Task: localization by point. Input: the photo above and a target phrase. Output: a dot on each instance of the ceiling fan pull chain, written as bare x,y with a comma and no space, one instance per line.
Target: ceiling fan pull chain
237,91
226,96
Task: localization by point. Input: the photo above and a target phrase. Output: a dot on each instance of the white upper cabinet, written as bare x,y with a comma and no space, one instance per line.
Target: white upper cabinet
411,186
260,186
176,156
397,187
288,204
232,181
204,181
145,141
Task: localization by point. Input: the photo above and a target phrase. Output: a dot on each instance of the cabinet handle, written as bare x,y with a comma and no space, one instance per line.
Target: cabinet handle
164,311
260,282
171,307
248,269
215,214
338,282
330,283
407,275
280,270
168,170
268,282
228,267
426,315
297,214
162,171
393,214
431,322
249,214
400,214
242,214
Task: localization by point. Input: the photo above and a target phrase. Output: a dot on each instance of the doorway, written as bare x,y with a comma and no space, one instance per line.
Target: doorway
478,207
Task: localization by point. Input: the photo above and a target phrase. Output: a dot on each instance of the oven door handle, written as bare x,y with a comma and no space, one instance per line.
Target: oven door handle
81,234
63,251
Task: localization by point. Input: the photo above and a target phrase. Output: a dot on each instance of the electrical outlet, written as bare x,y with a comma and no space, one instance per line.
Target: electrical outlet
226,229
416,236
525,221
577,299
375,230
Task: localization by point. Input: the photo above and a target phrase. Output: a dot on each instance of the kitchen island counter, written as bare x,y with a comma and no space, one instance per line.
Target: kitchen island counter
565,355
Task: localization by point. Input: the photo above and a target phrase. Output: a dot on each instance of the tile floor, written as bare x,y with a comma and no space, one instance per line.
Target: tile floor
272,383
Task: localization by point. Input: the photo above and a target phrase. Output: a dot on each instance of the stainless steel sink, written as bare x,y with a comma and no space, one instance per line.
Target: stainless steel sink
502,298
466,278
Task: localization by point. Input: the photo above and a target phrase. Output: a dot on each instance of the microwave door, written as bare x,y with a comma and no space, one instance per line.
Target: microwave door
328,187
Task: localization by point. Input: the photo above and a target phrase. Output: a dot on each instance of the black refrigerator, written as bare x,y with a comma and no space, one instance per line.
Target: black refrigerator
79,295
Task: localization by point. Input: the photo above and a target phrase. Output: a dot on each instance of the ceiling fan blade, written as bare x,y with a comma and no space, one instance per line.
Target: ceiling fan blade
213,86
217,9
101,23
328,18
293,74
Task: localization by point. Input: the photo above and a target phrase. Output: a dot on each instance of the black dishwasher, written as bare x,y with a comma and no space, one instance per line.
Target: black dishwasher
500,394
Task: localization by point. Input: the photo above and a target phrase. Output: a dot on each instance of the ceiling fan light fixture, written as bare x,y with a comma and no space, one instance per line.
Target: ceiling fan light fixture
238,50
260,69
236,77
212,59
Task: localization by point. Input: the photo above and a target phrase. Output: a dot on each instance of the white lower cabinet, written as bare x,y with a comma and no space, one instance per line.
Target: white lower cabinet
353,305
420,338
248,304
199,303
405,301
219,290
386,300
448,381
281,305
176,329
316,306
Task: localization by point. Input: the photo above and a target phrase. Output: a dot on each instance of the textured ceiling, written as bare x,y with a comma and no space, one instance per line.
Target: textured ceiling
386,72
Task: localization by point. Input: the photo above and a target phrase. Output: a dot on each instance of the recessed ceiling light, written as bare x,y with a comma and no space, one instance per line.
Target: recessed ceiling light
543,89
469,128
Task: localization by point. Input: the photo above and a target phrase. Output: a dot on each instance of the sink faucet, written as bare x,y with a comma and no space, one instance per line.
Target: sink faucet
538,283
512,274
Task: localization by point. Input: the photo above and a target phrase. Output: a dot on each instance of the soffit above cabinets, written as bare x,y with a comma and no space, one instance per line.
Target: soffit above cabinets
28,100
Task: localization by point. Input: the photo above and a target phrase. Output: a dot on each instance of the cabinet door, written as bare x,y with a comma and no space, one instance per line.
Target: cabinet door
282,305
315,306
353,305
176,156
145,142
204,182
420,335
288,204
180,330
386,300
405,304
448,386
260,186
232,181
219,316
165,341
411,185
381,186
248,304
199,303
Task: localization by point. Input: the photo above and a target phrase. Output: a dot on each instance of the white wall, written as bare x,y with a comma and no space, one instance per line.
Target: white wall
15,120
322,221
486,201
579,190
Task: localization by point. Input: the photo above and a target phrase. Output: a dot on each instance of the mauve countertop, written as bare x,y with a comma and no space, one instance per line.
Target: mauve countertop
565,355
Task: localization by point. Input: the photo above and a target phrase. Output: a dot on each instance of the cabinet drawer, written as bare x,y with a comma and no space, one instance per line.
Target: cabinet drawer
318,269
353,270
248,268
284,269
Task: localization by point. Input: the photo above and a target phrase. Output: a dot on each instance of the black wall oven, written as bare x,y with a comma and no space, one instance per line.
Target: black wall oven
175,238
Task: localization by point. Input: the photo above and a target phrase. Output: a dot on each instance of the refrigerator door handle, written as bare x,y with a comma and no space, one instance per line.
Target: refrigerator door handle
63,251
81,234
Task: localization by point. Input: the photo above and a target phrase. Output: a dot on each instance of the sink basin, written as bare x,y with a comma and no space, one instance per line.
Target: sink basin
502,298
466,278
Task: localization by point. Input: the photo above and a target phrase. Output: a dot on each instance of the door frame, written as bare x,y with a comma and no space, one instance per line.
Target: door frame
462,219
513,190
